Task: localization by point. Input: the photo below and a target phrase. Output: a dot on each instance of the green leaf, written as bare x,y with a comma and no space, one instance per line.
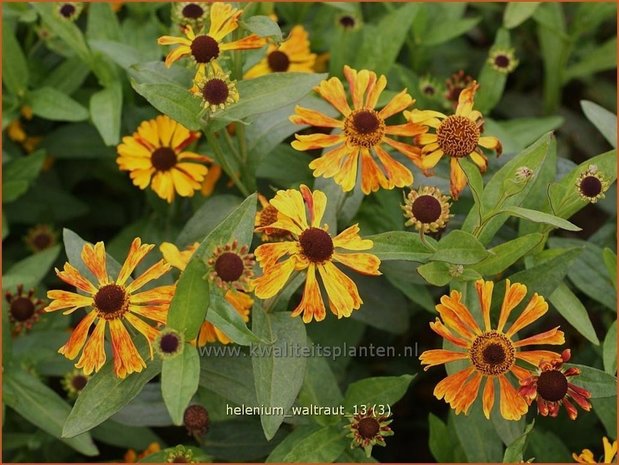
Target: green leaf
120,53
263,26
102,23
381,43
105,394
545,446
53,105
173,100
207,217
546,276
137,437
449,29
515,451
477,436
610,260
460,248
42,407
179,381
68,76
31,270
191,300
278,375
402,276
609,350
320,388
606,410
266,93
602,119
227,371
602,58
540,217
239,440
572,309
105,111
597,382
14,66
310,444
400,245
436,273
439,441
506,254
226,318
476,185
18,175
517,13
381,391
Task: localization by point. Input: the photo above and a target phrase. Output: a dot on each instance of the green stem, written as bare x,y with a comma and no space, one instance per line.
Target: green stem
224,162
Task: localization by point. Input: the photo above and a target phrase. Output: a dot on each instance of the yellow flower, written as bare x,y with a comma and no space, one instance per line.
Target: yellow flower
132,456
362,134
73,382
204,48
292,55
455,136
239,300
155,154
314,250
427,209
41,237
192,14
610,451
69,11
592,184
490,353
503,60
215,88
113,303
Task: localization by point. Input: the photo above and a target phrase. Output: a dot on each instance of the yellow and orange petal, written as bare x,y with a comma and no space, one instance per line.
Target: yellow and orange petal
311,248
610,453
358,145
114,303
155,155
293,55
491,353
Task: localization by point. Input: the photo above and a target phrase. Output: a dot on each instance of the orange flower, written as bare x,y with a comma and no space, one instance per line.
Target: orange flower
115,303
363,132
314,250
491,353
456,136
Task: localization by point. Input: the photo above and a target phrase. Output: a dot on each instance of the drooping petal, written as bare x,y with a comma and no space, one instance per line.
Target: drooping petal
65,299
311,304
449,387
137,252
513,406
351,240
346,177
72,276
407,150
397,104
157,295
488,397
273,279
93,356
468,394
246,43
268,254
536,307
372,178
480,160
177,54
290,203
154,272
457,179
466,99
314,118
363,263
492,143
484,293
397,174
95,259
78,337
407,129
514,293
332,91
316,141
429,161
171,40
155,312
453,302
341,290
439,328
436,357
147,330
550,337
329,163
127,359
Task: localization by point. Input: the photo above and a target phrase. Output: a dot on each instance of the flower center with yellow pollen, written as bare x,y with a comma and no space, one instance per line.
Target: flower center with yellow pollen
204,49
192,11
364,128
427,209
368,428
552,385
316,245
492,353
111,301
22,309
163,158
229,267
215,91
278,61
458,136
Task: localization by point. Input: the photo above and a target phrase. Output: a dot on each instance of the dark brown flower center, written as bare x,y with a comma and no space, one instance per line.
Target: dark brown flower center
492,353
278,61
215,91
229,266
42,241
502,61
67,10
364,128
79,382
427,209
180,459
317,245
366,121
552,385
458,136
163,158
169,343
196,419
429,90
22,309
368,427
110,299
347,21
204,49
192,11
590,186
